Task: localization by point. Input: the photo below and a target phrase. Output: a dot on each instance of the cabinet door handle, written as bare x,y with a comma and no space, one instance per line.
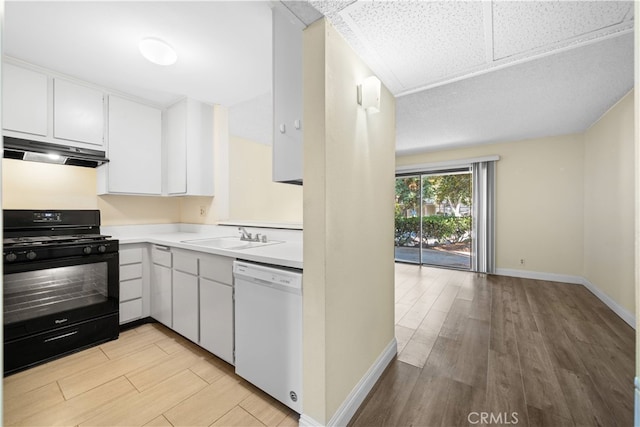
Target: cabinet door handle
296,124
283,128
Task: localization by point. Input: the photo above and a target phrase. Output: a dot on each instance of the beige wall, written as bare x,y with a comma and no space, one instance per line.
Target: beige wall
609,206
566,204
349,270
636,49
123,210
636,28
539,201
30,185
252,193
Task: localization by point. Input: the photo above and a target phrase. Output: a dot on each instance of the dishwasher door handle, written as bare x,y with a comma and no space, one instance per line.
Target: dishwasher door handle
256,281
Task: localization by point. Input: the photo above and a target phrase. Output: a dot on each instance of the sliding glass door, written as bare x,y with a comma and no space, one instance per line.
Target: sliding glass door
433,218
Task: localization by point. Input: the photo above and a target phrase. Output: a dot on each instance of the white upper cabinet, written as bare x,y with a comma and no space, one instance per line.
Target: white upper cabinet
176,148
78,113
135,149
189,148
287,97
42,106
24,100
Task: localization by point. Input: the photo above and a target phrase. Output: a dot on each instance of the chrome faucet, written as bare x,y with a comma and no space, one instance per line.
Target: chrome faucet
245,235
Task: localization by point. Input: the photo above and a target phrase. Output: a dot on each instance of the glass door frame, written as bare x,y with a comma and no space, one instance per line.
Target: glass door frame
421,176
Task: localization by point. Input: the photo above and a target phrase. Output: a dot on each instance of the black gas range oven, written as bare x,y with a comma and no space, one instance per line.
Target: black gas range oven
61,285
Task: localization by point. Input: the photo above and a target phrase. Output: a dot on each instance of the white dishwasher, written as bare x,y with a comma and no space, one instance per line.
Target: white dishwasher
268,330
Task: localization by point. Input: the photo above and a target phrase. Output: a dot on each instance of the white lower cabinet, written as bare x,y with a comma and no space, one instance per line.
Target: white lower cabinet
131,283
161,295
130,310
185,305
216,318
192,293
161,286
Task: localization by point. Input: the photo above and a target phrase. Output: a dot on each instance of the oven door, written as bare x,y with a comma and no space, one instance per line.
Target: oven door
42,296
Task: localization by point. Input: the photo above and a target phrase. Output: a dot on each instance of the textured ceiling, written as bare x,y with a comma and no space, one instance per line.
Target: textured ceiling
416,45
477,72
525,26
558,94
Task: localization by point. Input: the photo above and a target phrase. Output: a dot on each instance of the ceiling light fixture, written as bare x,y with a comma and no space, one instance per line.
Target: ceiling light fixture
157,51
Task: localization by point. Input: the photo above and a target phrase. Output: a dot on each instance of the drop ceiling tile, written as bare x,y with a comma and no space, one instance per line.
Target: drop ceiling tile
414,41
303,10
520,27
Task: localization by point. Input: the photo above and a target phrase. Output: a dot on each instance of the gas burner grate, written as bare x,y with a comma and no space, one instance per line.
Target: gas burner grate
52,240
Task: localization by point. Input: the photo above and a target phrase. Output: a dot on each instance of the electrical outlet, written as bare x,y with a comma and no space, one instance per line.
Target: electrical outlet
203,210
521,261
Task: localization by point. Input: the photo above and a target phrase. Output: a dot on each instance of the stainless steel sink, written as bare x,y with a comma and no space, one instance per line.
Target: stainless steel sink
230,242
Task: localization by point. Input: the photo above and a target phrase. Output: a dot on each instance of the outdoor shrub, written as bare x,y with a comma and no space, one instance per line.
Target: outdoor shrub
434,227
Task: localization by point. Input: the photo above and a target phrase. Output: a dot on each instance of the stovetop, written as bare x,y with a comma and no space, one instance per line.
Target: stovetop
41,248
42,235
26,241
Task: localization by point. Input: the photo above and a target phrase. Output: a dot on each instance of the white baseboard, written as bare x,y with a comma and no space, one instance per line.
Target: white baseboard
307,421
636,405
630,318
551,277
353,401
625,315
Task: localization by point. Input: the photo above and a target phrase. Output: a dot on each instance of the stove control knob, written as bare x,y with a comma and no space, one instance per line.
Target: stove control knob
102,249
86,250
11,257
31,255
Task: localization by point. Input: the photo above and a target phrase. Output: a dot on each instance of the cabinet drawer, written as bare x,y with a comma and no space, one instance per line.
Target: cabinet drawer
161,255
187,262
130,289
131,271
130,310
130,256
217,268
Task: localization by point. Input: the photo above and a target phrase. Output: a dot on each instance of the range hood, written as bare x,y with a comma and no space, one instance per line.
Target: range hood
36,151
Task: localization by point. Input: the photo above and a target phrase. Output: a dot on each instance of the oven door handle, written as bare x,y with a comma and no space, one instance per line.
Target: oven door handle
59,337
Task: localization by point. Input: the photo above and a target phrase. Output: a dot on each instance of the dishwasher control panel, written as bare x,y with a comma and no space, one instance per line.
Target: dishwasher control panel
268,275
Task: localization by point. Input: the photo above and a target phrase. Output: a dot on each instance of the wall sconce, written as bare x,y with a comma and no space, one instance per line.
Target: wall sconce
369,94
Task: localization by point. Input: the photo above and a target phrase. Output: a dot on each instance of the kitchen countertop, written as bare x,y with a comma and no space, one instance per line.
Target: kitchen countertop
286,254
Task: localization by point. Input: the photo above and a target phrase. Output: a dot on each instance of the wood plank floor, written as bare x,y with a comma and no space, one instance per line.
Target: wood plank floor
526,352
149,376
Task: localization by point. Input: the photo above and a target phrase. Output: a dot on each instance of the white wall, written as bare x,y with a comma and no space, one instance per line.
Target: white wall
348,222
